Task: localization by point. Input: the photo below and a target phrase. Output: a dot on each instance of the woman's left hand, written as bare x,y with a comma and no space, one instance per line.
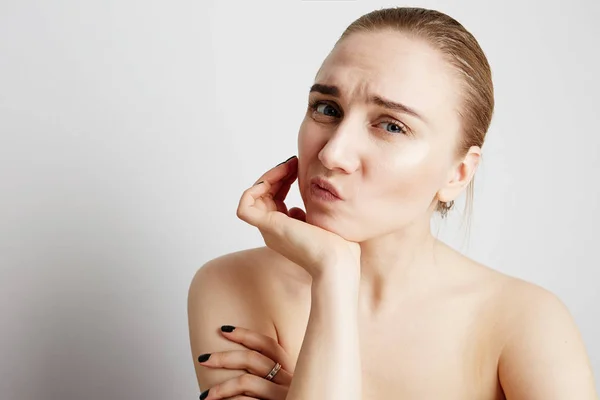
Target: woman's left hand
262,354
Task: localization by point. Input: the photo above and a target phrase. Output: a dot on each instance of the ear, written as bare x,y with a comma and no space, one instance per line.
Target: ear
460,175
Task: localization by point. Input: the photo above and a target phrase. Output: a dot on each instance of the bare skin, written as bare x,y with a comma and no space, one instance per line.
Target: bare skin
432,323
442,340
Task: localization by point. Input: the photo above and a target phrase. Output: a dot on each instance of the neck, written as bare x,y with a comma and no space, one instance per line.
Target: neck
394,264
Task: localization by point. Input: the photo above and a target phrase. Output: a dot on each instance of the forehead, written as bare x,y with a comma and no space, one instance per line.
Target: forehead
396,67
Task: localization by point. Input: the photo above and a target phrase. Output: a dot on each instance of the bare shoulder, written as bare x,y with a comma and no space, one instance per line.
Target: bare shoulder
238,285
515,296
541,351
522,299
234,289
535,314
543,354
249,274
516,304
521,302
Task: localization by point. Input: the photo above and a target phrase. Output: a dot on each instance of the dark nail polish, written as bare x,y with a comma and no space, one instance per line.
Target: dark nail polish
227,328
285,161
204,357
204,394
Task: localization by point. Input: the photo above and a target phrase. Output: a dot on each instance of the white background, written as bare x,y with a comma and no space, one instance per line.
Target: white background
129,129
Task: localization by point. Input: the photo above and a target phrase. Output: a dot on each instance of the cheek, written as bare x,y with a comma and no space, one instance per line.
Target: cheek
308,147
310,143
413,175
307,143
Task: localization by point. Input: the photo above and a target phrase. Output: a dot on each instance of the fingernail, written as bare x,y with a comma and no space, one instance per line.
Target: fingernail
227,328
204,357
204,394
285,161
258,183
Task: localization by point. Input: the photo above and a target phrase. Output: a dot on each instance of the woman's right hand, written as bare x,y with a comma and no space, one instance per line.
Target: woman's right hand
287,232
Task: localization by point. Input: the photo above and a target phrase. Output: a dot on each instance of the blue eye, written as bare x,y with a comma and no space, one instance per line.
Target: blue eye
401,128
329,110
323,108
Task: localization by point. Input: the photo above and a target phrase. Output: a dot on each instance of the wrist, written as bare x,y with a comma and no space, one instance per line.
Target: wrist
337,279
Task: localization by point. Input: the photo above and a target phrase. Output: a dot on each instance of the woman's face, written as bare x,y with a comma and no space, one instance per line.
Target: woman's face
387,163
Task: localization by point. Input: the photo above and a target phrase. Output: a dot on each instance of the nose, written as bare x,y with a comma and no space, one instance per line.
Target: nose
341,149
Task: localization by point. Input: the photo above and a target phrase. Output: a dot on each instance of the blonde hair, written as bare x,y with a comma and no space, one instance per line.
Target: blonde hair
463,53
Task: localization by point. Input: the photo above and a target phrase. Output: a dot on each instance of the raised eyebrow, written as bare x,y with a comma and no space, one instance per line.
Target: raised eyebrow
403,108
333,90
325,89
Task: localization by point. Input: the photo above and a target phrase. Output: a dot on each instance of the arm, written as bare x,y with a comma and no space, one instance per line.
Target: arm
544,357
328,366
219,295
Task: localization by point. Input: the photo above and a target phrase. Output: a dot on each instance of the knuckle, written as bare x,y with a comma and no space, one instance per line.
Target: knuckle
246,380
241,212
216,391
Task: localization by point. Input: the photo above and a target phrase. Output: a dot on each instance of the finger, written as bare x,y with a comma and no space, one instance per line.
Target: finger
288,180
280,188
286,184
249,360
281,194
255,203
276,173
284,170
263,344
261,195
247,385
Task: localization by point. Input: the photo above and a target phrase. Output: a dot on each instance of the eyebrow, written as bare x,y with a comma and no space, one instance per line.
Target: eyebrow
375,99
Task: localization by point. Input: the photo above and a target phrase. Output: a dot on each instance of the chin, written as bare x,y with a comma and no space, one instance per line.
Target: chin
331,224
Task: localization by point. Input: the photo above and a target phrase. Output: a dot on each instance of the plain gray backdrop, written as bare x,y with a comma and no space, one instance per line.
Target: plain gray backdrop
129,129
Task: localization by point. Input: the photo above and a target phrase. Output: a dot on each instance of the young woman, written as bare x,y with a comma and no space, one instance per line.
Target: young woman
355,298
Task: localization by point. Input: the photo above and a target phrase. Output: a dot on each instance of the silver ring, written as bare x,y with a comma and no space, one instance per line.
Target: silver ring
273,372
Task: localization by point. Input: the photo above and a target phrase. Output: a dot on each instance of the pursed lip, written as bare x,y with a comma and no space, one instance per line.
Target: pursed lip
325,184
